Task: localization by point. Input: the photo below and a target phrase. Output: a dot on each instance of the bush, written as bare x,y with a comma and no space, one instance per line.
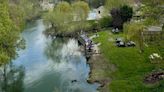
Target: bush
105,22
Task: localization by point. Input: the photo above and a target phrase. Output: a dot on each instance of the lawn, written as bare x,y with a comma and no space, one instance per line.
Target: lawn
131,65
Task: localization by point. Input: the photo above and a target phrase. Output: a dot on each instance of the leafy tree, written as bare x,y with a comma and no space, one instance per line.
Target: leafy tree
117,22
30,8
17,15
80,12
126,13
59,17
8,34
121,15
134,32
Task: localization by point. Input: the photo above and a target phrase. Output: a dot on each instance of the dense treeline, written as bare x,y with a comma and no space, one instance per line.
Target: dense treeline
66,18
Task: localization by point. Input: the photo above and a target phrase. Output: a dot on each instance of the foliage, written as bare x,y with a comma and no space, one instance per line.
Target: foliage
133,32
126,13
121,15
31,9
28,9
8,34
153,2
117,22
132,29
105,22
150,21
152,10
17,15
96,3
23,10
60,16
65,16
80,10
110,4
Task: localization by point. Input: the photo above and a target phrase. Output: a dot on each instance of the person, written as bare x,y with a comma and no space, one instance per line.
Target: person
96,33
90,47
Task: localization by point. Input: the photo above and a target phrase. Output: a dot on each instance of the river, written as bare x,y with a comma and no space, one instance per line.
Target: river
48,65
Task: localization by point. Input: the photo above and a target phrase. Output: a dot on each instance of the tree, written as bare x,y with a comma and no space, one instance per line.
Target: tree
30,8
17,15
126,13
121,15
65,9
59,17
134,32
117,22
8,34
80,12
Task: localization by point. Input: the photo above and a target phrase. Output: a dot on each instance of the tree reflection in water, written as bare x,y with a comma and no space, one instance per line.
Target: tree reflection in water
53,49
11,78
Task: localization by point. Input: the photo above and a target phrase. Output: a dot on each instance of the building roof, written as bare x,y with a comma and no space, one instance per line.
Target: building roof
155,28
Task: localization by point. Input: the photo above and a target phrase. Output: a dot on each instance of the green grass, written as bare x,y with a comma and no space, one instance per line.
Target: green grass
131,65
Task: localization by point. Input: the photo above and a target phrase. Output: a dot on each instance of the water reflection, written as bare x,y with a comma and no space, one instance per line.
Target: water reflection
11,79
71,65
51,65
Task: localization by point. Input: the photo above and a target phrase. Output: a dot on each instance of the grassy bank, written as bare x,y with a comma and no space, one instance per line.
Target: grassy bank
131,65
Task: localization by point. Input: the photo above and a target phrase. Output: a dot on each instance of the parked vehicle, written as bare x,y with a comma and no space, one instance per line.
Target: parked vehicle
131,44
121,44
118,40
115,30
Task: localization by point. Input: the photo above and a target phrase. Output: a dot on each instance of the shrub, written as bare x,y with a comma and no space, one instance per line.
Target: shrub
105,22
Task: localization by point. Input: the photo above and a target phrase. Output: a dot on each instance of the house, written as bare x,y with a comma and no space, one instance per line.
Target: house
152,33
47,6
96,14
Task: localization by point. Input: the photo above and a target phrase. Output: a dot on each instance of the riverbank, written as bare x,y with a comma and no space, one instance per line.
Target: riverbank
98,72
72,29
99,68
122,69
